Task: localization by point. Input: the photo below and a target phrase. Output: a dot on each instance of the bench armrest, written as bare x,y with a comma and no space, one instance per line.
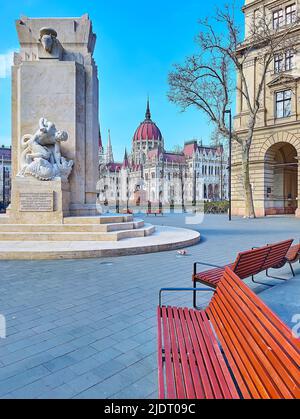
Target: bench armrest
205,264
182,290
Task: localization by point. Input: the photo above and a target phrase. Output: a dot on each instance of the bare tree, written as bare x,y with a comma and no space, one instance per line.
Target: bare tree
207,79
217,139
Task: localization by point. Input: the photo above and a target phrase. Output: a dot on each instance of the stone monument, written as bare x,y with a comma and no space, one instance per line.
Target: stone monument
55,131
55,121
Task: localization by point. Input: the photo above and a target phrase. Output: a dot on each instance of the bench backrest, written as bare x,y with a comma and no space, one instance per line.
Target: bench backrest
278,252
294,253
261,350
250,262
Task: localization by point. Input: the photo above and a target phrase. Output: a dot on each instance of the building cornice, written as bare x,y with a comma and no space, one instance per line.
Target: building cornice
271,4
268,128
283,79
258,45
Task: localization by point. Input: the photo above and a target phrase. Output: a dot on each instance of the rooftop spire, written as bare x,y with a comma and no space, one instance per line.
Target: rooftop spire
109,151
148,113
125,161
100,141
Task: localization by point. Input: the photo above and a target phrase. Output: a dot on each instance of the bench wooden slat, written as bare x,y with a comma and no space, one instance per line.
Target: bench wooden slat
260,307
293,255
186,369
277,255
195,374
225,380
176,361
190,370
239,360
249,263
210,385
231,354
264,373
171,394
275,361
266,321
260,359
161,381
211,277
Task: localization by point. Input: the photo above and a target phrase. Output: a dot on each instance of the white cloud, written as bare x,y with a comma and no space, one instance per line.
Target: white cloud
6,61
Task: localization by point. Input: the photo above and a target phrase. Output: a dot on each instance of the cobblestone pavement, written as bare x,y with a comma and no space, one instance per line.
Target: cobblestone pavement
87,328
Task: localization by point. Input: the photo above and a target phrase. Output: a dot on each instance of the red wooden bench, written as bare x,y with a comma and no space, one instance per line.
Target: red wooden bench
293,256
259,358
247,264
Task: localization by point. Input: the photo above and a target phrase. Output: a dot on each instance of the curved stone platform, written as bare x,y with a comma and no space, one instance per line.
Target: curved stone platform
163,239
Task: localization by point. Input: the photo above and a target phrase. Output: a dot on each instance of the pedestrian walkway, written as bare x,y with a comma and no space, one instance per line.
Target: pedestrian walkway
87,328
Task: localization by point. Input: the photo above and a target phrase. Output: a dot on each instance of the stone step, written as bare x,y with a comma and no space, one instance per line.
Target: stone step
69,228
164,239
4,219
147,230
109,219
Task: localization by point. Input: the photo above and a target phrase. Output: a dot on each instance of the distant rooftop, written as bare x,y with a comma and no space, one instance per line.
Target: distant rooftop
5,153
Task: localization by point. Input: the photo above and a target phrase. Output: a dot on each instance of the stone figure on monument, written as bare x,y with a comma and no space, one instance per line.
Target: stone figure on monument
48,38
41,156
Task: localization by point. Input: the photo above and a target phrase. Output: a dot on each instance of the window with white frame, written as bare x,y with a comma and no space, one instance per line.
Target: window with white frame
283,104
289,60
278,19
290,14
284,61
278,63
285,16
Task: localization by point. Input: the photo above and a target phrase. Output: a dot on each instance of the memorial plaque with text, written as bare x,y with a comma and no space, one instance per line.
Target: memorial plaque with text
36,202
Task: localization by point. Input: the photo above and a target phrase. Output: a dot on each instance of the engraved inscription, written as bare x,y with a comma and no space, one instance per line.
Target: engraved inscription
36,202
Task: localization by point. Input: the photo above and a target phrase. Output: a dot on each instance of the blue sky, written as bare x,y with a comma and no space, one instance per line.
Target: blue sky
138,41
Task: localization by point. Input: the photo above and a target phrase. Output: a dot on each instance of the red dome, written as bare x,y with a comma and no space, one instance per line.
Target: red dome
147,130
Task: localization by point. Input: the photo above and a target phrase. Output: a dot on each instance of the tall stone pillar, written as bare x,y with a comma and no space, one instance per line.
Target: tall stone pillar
298,185
55,77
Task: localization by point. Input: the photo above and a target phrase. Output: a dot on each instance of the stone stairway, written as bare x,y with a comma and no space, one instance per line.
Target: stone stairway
104,228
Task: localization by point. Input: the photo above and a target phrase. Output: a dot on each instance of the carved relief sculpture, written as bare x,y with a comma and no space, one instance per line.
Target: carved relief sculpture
48,39
41,156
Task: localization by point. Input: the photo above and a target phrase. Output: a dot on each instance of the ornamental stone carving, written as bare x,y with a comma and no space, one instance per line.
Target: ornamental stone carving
41,154
48,39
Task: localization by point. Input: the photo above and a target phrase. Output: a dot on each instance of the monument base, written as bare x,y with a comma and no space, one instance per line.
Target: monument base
137,242
78,210
36,202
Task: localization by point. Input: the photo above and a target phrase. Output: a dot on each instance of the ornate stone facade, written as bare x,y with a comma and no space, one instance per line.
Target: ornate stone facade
150,173
275,151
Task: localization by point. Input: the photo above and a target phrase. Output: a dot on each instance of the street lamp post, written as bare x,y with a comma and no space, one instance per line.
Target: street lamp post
194,185
229,164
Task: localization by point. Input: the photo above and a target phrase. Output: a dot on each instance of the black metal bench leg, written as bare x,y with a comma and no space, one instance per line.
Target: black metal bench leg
195,296
277,277
292,269
262,283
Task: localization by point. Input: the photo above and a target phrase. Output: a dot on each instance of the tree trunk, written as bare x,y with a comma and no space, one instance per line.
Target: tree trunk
249,206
